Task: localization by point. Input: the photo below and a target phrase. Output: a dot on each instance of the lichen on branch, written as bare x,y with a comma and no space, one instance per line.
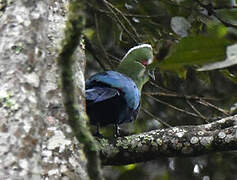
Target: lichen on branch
171,142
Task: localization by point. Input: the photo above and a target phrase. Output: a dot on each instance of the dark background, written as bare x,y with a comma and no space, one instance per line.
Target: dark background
185,36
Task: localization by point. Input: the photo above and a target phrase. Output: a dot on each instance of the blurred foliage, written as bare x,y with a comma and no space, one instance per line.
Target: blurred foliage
186,35
196,50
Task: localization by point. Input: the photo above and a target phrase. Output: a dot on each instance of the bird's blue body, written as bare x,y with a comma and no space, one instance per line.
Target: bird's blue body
111,98
114,97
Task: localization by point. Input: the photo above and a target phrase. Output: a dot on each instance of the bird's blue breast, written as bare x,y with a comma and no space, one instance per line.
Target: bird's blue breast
121,82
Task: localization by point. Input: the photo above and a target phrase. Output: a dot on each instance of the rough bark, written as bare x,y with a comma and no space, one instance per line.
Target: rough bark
36,141
171,142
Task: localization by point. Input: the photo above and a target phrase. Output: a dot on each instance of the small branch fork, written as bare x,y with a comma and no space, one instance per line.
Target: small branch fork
171,142
200,100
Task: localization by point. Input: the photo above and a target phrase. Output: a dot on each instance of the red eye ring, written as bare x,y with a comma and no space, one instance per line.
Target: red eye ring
144,62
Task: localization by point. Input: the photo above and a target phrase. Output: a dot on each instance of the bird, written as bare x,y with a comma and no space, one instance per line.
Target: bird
113,97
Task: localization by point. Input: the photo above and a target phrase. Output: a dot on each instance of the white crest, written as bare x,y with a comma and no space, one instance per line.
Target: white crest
137,47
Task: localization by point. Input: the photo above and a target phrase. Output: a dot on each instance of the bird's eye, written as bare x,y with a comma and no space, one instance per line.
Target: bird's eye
144,62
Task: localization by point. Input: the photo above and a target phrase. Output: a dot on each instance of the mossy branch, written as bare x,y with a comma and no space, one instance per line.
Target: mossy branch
77,119
171,142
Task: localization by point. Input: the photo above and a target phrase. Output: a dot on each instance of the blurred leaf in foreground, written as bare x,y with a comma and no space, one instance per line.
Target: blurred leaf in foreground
230,60
197,50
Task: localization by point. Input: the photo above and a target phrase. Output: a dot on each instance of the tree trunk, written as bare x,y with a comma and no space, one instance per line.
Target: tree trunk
36,141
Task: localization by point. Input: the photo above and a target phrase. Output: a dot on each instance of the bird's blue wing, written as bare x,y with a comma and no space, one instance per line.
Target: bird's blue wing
97,94
117,81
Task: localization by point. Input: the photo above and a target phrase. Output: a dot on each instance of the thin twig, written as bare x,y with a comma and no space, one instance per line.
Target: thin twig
112,8
211,11
225,7
116,59
177,96
172,94
173,107
126,19
127,14
156,118
159,87
196,111
175,4
205,103
94,52
100,41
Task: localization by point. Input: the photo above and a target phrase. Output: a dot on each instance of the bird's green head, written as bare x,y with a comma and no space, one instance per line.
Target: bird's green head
135,64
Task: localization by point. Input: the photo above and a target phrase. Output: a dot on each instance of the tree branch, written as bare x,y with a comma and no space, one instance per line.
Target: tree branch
176,141
211,10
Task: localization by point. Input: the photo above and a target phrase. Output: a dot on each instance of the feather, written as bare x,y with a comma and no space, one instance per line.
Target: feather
119,81
97,94
114,97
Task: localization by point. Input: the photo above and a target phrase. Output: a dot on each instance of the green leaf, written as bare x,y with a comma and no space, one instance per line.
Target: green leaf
229,15
231,60
130,167
229,75
196,50
89,32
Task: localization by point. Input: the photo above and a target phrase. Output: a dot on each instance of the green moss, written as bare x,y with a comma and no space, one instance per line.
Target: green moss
7,101
159,142
18,48
119,142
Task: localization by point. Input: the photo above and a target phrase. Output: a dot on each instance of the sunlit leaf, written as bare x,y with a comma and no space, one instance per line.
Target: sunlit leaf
89,32
228,14
182,73
229,61
196,50
130,166
126,167
229,75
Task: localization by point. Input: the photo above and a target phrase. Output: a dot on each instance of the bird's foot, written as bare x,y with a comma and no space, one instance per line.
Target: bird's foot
116,131
116,135
97,134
